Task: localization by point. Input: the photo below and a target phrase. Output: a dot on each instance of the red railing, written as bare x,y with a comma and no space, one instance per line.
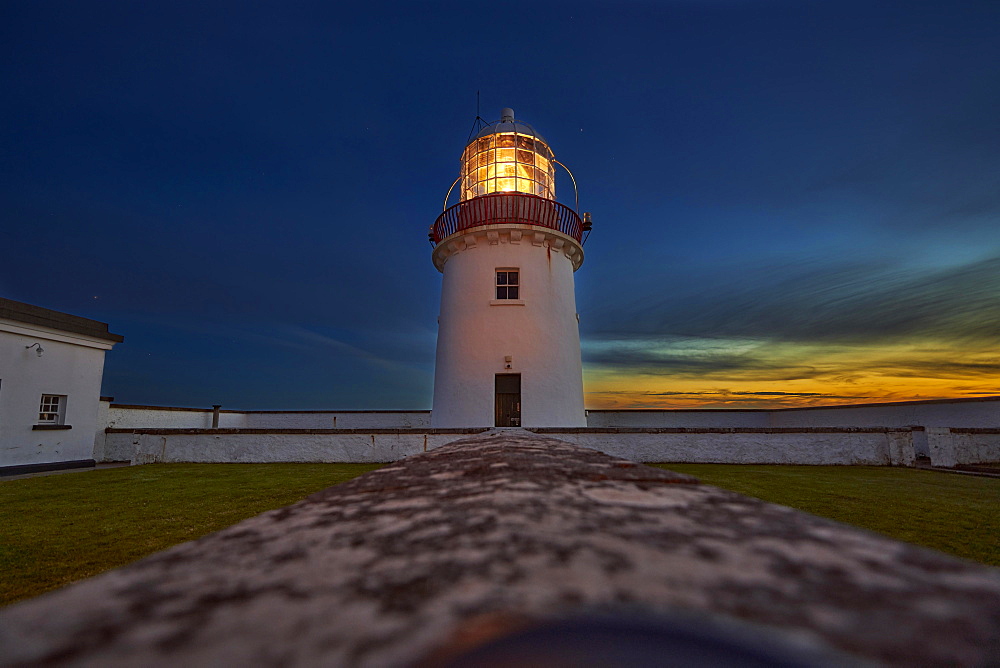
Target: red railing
506,208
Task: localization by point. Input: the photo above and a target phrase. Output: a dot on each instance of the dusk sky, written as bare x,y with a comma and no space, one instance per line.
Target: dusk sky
794,203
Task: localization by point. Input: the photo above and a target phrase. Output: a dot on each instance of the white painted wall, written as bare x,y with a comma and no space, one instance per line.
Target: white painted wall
951,447
710,439
972,446
165,417
476,331
975,413
833,446
764,446
209,446
338,419
678,418
124,416
955,413
72,365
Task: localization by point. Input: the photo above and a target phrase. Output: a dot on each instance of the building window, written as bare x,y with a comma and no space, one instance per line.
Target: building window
52,409
508,284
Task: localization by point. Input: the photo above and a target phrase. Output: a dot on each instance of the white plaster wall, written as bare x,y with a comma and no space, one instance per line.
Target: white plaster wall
154,417
971,447
161,417
272,447
945,414
959,413
813,447
951,447
99,435
678,418
541,336
338,420
873,447
71,365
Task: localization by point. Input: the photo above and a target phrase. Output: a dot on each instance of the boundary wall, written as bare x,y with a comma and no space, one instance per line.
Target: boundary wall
978,412
948,432
127,416
147,446
828,446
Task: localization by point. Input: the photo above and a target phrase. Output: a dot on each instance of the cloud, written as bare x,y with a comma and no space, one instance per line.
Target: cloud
846,304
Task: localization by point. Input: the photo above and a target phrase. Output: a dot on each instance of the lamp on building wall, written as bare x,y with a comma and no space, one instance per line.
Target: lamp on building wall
37,352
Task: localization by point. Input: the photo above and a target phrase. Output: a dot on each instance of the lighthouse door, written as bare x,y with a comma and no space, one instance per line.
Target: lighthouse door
508,401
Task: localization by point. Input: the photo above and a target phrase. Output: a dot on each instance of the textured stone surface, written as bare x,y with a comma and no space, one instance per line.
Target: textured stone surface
389,567
149,446
748,445
736,445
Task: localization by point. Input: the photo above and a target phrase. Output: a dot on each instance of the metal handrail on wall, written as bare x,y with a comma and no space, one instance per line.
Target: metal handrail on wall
506,208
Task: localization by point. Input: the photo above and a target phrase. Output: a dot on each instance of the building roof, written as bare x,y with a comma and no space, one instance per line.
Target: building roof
36,315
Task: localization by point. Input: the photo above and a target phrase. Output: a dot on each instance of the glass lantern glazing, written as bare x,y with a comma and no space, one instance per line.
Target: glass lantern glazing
507,162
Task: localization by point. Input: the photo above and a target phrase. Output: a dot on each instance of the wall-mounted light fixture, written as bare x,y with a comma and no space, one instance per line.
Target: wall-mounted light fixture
37,352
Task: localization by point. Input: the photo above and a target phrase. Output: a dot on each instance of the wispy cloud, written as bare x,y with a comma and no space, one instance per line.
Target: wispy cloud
849,333
848,303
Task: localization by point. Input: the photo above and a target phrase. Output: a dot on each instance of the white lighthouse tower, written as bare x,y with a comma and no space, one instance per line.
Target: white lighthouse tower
508,349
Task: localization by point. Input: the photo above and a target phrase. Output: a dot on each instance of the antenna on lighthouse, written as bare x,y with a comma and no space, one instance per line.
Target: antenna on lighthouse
477,124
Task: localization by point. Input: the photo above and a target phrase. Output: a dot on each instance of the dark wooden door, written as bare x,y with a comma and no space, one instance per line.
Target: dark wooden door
508,402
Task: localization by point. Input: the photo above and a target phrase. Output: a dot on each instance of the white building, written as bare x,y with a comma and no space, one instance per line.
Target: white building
508,350
51,365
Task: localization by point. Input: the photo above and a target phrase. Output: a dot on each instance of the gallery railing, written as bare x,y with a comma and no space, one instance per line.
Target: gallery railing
506,208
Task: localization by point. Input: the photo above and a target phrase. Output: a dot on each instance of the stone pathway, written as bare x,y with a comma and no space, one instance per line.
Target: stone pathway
495,532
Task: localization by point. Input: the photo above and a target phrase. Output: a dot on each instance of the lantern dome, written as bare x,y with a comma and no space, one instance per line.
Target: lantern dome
507,156
508,123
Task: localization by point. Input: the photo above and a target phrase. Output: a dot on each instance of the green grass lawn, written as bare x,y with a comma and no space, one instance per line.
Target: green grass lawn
957,514
61,528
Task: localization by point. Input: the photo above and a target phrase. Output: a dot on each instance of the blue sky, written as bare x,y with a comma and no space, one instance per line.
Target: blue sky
794,202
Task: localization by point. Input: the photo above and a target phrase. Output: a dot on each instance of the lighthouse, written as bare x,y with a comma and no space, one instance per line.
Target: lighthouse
508,348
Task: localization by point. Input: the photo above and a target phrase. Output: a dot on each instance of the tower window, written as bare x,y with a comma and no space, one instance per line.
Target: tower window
508,284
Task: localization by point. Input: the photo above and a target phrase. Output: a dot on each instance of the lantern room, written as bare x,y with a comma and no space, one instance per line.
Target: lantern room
508,176
507,156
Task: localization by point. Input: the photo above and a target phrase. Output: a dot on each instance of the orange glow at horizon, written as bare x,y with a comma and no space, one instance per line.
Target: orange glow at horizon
790,375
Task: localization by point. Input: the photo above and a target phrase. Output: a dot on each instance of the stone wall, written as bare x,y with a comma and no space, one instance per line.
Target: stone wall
273,445
453,555
872,446
337,419
964,413
886,435
739,446
128,416
977,413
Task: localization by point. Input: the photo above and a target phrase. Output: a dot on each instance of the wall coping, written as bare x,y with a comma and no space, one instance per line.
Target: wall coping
589,410
230,431
536,430
975,430
720,430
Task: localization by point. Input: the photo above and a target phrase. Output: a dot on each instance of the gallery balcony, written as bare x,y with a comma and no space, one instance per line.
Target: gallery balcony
508,209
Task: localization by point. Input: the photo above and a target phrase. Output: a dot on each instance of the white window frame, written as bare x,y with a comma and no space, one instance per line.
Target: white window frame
497,285
46,414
